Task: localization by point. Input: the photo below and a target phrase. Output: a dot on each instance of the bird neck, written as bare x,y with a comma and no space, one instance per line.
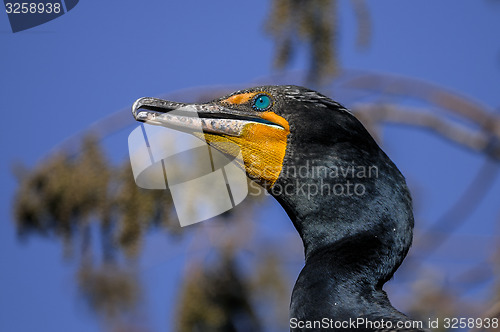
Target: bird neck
334,287
358,210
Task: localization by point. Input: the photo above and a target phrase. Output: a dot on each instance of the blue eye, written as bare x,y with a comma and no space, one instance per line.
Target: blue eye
261,102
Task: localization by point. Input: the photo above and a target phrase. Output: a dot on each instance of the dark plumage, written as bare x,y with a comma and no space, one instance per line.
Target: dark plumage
346,198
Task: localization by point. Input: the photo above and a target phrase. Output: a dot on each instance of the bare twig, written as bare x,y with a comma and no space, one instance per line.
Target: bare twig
363,19
435,95
476,140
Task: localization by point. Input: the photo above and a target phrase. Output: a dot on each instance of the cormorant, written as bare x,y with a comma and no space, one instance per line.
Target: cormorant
346,198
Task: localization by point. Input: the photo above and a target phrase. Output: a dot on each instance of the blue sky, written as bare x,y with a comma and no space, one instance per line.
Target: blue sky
59,78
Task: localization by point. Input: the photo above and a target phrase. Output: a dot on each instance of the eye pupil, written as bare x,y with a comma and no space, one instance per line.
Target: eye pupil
262,102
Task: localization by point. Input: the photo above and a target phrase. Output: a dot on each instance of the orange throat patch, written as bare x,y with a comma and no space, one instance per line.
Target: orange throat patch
262,147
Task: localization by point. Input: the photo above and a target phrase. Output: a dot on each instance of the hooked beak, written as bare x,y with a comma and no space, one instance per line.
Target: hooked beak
210,118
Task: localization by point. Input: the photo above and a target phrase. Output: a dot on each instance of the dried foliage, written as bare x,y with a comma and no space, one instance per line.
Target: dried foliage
108,289
62,194
216,298
72,197
313,22
434,300
270,290
313,25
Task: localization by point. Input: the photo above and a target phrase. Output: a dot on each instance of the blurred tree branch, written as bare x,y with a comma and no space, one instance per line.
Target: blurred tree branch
386,85
478,140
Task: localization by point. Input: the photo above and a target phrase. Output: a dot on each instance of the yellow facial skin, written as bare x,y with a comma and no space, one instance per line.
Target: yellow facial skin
242,98
262,147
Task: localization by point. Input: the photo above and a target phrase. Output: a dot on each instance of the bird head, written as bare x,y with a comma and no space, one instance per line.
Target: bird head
246,121
257,122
